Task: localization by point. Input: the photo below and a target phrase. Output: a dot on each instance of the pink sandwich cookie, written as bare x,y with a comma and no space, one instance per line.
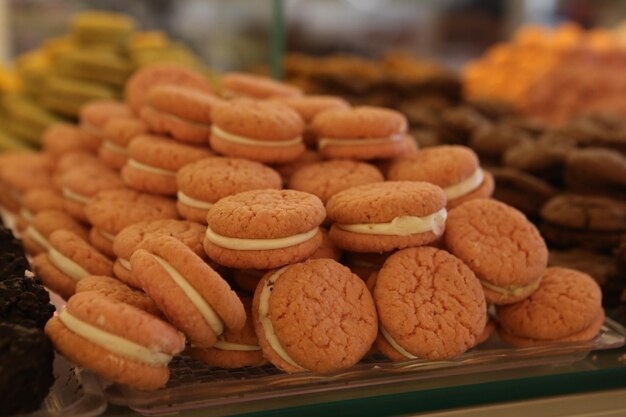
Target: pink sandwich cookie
21,172
262,131
35,201
189,292
70,161
94,116
35,236
201,184
118,132
237,84
62,138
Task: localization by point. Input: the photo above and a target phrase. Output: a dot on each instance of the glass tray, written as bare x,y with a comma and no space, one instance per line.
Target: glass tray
194,385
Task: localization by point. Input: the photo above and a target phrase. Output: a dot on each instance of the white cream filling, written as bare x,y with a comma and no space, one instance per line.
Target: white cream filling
465,186
37,237
27,214
242,140
66,265
108,236
207,312
150,169
266,322
125,263
114,343
324,142
114,147
239,347
395,344
513,290
73,196
192,202
258,244
402,226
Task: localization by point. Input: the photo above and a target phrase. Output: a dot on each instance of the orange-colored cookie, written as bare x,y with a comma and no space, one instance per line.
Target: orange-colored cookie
154,160
70,161
203,183
315,315
412,148
20,172
264,229
193,297
35,201
286,170
262,131
454,168
132,347
384,216
361,133
117,290
94,116
62,138
327,249
35,236
500,245
117,134
430,305
237,84
490,328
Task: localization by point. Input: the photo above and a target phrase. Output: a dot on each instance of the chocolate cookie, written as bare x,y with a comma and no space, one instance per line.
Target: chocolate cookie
523,191
596,170
24,301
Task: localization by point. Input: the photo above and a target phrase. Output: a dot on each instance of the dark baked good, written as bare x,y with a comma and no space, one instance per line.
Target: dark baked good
458,123
491,141
12,259
24,301
595,171
523,191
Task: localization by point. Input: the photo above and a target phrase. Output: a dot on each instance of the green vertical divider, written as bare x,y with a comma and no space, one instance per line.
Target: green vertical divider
277,39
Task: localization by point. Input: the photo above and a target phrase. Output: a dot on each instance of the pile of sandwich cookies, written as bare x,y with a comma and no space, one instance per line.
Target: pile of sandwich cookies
255,224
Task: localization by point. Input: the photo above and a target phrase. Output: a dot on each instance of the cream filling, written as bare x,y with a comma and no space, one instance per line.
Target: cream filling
258,244
395,344
150,169
125,263
114,147
108,236
37,237
73,196
207,312
514,290
465,186
114,343
66,265
266,322
27,214
242,140
192,202
324,142
402,226
240,347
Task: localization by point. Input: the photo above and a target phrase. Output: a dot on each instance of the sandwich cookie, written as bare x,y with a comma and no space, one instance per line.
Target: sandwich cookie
153,162
456,169
116,340
430,305
234,349
505,250
118,132
94,116
237,84
118,291
20,172
385,216
286,170
180,112
264,229
70,161
35,201
327,249
361,133
365,264
43,224
566,307
201,184
193,297
489,330
132,237
68,260
109,212
62,138
80,184
314,316
262,131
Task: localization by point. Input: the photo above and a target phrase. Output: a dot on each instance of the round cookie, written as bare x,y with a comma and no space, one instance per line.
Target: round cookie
117,290
94,116
129,239
489,330
234,349
567,306
430,305
325,179
109,212
327,249
68,260
35,201
262,131
500,245
360,133
62,138
237,84
139,85
385,216
35,236
336,336
180,112
454,168
121,329
154,160
20,173
117,134
80,184
264,229
192,296
203,183
286,170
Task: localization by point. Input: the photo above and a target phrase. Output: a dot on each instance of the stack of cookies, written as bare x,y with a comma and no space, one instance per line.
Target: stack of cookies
256,224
